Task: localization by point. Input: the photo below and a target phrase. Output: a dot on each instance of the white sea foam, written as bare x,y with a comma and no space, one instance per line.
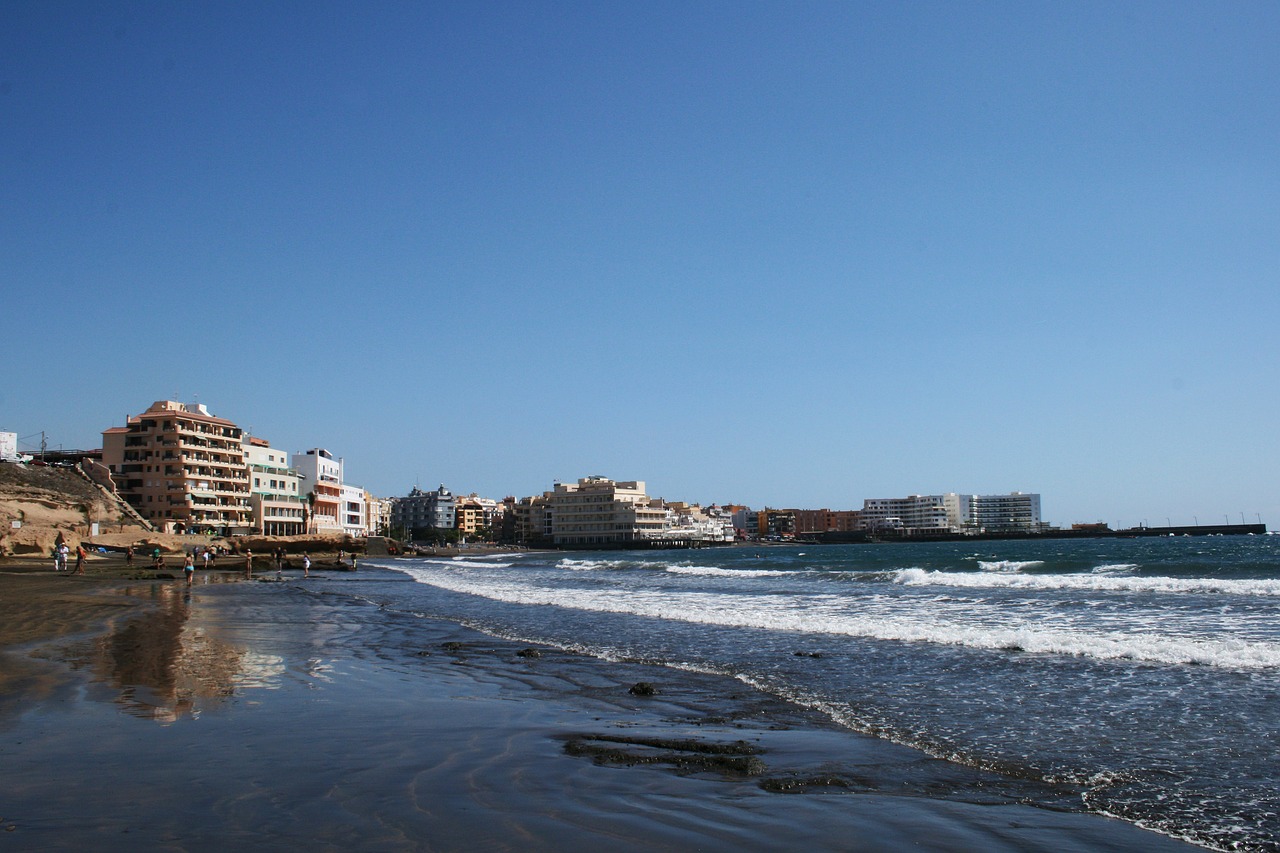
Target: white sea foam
478,563
589,565
1114,568
837,615
1089,582
715,571
1008,565
451,563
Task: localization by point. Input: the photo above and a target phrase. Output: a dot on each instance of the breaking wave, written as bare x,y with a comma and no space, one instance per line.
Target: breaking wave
833,616
1008,565
714,571
1089,582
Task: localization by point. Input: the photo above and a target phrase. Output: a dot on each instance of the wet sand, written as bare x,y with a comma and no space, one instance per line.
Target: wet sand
143,715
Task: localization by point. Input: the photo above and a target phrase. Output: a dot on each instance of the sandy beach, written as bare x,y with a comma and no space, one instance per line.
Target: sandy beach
142,714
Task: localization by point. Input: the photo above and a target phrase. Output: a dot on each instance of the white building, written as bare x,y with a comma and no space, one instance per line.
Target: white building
914,515
692,523
278,508
1016,512
353,511
320,480
922,515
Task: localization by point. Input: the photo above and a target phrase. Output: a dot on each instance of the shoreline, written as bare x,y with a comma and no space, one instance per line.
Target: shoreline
277,714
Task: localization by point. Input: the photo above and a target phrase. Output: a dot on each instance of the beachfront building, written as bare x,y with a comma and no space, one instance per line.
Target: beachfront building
475,515
320,479
420,510
915,515
924,515
182,469
776,523
746,522
354,513
692,523
379,514
278,508
826,520
598,512
1016,512
526,520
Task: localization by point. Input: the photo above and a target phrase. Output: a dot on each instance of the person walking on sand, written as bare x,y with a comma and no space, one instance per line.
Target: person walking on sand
306,566
189,568
208,555
128,556
80,555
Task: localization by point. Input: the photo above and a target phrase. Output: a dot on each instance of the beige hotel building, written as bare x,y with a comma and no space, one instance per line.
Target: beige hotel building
182,469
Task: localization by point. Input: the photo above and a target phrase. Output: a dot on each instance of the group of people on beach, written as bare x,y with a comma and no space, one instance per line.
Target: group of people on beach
62,551
206,554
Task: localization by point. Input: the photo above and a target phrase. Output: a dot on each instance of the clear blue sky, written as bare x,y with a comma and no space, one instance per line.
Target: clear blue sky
791,253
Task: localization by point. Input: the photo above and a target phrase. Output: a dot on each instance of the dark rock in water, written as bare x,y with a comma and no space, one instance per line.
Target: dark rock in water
808,654
451,646
684,755
794,785
529,653
643,688
423,653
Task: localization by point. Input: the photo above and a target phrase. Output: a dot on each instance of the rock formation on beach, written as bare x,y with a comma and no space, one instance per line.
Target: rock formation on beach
38,504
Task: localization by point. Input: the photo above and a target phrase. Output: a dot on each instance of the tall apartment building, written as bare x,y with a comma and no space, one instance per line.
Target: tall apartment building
419,509
1011,513
915,515
278,508
320,479
597,511
182,469
920,515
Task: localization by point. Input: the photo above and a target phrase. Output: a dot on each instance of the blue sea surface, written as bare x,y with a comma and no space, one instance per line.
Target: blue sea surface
1144,671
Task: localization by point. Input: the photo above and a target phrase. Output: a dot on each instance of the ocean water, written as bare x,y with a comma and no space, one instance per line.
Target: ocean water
1143,672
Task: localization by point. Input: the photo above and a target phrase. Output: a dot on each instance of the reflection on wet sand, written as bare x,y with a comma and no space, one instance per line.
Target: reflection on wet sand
165,666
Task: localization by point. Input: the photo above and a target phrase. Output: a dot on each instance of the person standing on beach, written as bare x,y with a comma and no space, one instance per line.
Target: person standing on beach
208,555
80,555
248,564
60,561
306,566
157,562
189,567
128,556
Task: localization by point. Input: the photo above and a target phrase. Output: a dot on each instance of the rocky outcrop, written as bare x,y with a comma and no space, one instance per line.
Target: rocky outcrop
38,504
